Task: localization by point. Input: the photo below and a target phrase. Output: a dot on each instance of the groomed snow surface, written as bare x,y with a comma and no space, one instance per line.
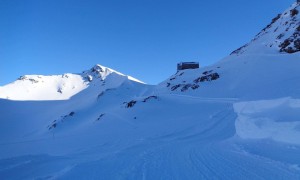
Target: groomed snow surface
172,137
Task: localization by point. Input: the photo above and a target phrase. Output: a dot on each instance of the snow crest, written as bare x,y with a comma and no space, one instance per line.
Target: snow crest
282,35
277,119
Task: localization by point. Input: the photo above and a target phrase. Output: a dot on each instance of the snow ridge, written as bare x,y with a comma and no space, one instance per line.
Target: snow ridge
62,87
281,35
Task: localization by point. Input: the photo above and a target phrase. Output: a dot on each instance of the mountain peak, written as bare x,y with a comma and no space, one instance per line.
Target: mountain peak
61,87
100,71
282,35
98,68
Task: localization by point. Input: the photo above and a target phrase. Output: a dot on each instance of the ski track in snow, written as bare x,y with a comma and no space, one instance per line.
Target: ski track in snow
202,151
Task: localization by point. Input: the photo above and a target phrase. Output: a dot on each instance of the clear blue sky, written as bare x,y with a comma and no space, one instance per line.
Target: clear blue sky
142,38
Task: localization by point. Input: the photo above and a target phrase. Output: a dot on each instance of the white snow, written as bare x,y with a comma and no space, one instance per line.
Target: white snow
61,87
269,39
277,119
38,87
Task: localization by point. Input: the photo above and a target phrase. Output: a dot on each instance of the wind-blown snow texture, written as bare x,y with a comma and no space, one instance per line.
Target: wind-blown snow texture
236,119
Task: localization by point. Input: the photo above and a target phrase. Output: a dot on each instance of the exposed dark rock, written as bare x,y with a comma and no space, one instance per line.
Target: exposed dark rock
33,80
181,74
59,90
150,97
286,22
294,12
195,86
62,119
187,86
173,88
65,76
177,74
130,104
97,68
276,18
101,115
268,26
210,77
289,50
291,45
22,78
99,95
52,126
296,35
280,36
133,102
239,50
207,72
89,78
285,44
297,44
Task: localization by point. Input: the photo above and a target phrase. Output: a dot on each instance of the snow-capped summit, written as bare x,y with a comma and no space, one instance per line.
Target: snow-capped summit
61,87
101,72
282,35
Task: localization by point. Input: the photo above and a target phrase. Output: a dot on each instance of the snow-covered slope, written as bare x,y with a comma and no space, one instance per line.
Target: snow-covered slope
260,69
276,119
281,35
246,77
60,87
236,119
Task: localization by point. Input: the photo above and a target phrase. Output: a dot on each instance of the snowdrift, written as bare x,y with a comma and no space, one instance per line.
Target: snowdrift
277,119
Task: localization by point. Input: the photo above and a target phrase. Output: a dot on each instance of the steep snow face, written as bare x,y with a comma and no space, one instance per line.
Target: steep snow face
282,35
277,119
61,87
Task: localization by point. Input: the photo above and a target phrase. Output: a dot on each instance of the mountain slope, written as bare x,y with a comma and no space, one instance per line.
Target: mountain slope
281,35
262,69
60,87
246,77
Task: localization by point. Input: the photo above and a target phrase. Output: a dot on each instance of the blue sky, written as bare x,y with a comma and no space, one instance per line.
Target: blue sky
141,38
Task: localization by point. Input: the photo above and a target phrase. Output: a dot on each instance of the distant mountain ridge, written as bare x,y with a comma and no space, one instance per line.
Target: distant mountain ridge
59,87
